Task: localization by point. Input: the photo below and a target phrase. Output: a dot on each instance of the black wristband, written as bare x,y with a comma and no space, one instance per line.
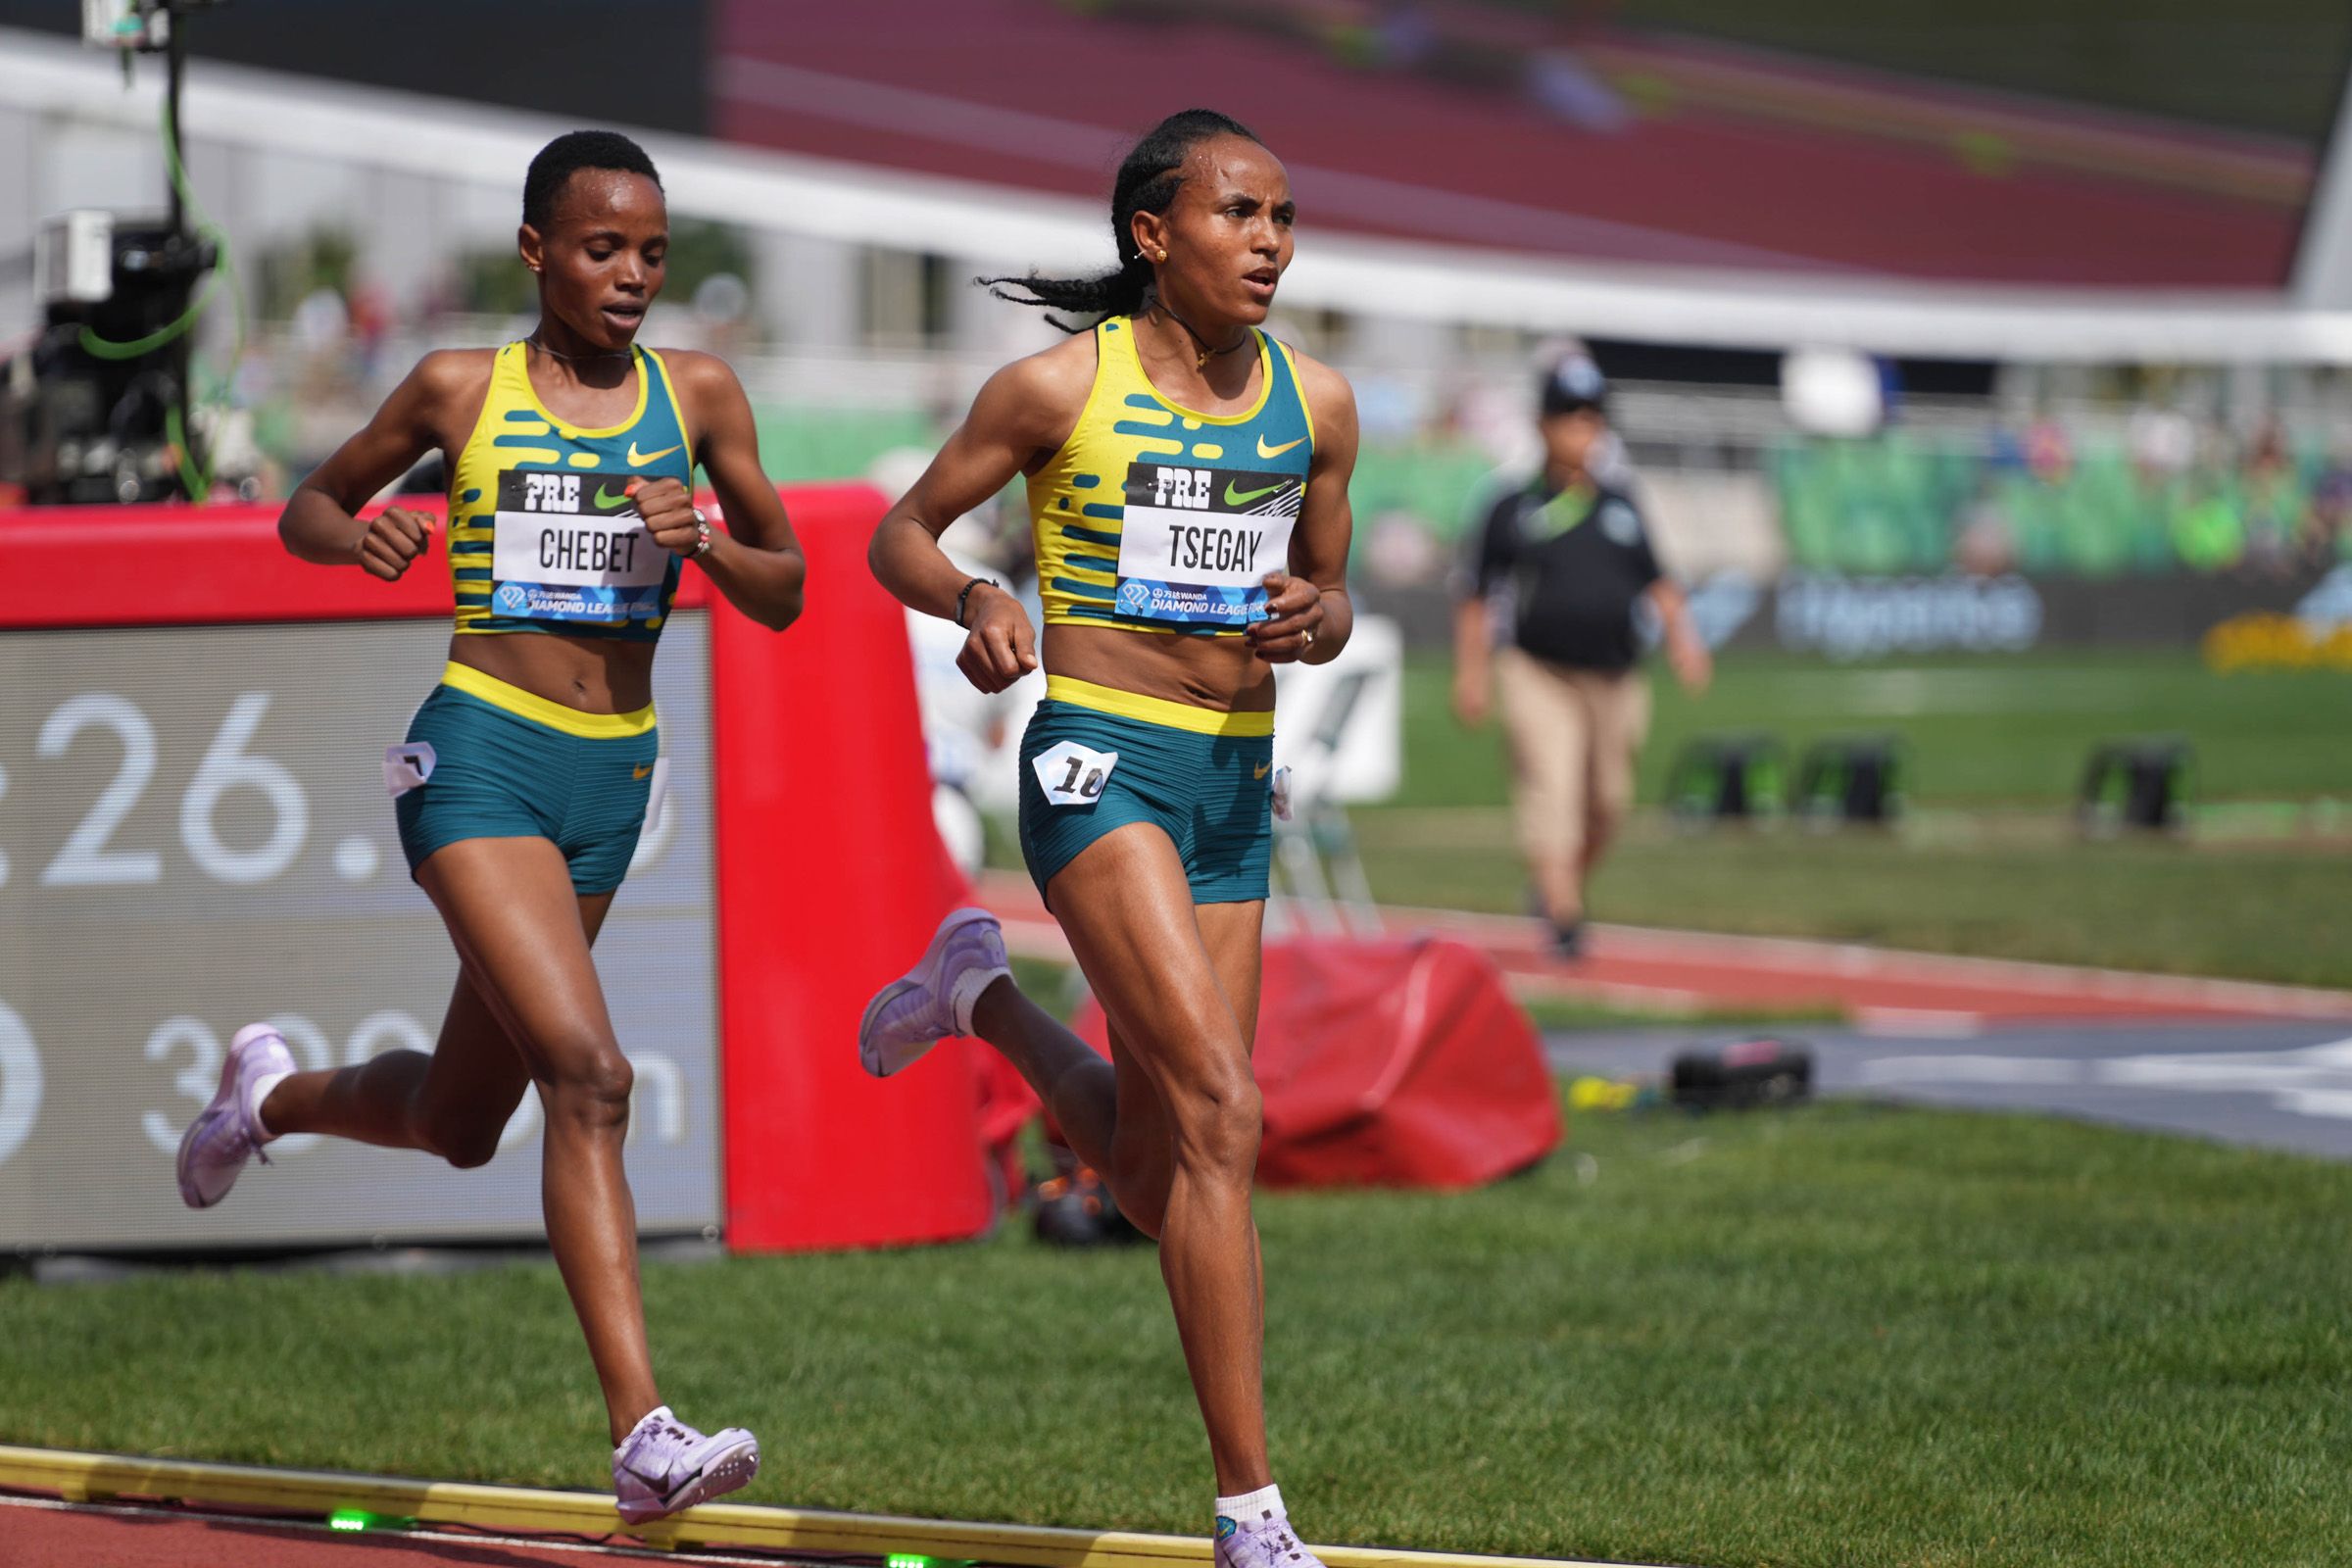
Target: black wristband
963,597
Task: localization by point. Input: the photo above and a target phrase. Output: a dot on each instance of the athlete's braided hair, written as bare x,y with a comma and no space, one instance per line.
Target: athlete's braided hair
1148,182
565,156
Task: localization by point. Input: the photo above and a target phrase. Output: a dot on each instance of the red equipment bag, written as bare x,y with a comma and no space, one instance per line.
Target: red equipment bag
1392,1063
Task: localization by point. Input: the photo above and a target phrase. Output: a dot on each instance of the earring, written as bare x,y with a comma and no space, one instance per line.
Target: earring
1164,255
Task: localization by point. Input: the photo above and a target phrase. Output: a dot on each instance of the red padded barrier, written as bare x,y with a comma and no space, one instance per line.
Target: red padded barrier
1397,1063
830,880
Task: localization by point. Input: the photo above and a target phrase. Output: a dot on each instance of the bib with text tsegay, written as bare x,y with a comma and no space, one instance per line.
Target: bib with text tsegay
572,547
1198,540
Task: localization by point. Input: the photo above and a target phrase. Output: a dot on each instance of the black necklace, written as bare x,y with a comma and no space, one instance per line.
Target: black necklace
1204,354
575,358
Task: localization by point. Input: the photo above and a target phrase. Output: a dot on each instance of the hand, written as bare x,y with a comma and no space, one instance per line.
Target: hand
392,538
668,513
1000,648
1693,665
1294,610
1470,698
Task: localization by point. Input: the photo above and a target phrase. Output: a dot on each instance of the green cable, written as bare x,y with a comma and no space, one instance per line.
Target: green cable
197,481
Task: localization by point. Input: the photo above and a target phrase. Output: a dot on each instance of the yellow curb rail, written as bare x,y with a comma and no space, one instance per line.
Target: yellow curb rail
103,1478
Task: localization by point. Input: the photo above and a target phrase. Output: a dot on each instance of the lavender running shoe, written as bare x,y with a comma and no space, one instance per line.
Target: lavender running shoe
1264,1543
228,1131
662,1466
934,999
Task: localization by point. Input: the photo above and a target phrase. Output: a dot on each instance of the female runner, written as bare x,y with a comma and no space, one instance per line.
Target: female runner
1188,485
525,775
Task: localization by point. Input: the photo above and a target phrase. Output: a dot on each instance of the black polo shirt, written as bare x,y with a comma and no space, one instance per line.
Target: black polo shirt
1573,563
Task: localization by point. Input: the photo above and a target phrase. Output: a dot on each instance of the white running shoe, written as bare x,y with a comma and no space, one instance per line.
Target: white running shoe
933,1000
664,1465
228,1131
1266,1542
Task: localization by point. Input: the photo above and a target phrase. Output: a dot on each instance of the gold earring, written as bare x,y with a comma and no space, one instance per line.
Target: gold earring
1164,255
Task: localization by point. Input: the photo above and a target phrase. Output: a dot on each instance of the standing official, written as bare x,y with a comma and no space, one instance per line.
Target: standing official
1547,612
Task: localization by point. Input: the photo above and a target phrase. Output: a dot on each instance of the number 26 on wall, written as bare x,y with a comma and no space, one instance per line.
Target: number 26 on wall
86,859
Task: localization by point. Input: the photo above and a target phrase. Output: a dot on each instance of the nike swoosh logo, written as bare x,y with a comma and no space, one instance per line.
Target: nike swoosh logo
607,500
1261,770
1265,451
1242,498
642,769
637,457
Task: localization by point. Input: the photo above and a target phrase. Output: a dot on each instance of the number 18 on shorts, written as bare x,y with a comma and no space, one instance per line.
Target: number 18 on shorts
1072,775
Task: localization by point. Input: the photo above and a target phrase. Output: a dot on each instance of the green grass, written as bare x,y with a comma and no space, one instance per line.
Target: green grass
1981,731
1841,1336
1990,866
2251,914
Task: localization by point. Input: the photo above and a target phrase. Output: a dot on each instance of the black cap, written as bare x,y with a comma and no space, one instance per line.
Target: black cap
1574,385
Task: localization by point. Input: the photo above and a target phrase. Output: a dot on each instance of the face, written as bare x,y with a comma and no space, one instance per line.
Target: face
1227,234
1569,438
601,260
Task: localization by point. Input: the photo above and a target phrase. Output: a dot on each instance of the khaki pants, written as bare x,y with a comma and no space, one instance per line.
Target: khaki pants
1573,735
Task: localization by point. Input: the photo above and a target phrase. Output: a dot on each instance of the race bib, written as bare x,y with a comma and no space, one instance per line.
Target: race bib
1197,543
1072,775
571,546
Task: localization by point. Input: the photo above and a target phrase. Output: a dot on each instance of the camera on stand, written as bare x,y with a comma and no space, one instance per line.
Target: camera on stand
98,408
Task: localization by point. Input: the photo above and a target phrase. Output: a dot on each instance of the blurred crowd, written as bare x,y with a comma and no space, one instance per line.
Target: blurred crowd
2172,493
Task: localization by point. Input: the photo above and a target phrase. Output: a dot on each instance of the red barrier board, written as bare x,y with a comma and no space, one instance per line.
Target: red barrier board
829,877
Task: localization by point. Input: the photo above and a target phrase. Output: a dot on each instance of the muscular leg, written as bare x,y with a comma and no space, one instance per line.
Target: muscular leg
1077,1086
1129,913
511,909
454,1103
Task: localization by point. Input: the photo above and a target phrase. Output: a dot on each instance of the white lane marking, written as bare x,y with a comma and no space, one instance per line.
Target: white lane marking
2312,1081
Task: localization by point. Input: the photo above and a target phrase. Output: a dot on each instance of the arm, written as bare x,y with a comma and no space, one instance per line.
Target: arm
1312,596
755,562
1488,536
1473,662
1685,650
1027,408
320,523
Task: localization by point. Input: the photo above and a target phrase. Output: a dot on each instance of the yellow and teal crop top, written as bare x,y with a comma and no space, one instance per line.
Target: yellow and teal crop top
541,537
1157,519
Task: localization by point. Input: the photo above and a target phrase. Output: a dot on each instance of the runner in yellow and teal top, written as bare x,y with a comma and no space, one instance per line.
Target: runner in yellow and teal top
522,781
1188,486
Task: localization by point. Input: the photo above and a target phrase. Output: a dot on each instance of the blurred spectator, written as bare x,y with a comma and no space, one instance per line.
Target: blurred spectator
1555,575
2164,443
2049,451
2276,502
2328,535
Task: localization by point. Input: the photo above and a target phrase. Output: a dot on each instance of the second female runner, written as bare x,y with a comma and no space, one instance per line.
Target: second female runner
525,775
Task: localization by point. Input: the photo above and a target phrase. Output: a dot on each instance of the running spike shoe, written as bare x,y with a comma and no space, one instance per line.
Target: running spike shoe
933,1000
664,1465
228,1131
1263,1543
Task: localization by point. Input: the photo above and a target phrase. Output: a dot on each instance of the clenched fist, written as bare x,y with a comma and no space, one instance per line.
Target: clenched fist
394,537
668,513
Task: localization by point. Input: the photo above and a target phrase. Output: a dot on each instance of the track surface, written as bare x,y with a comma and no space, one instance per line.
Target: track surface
2267,1085
38,1533
1689,971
